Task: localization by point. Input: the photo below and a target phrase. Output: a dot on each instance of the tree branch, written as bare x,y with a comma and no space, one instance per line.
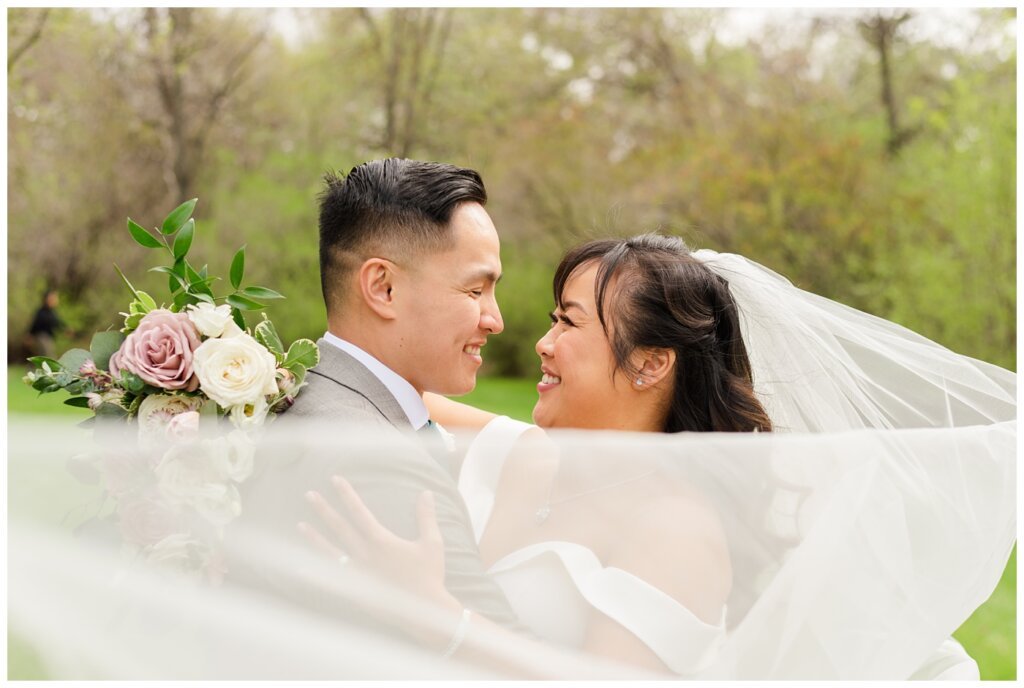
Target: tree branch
28,42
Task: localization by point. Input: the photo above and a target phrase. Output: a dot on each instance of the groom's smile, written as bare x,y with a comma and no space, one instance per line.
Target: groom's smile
448,306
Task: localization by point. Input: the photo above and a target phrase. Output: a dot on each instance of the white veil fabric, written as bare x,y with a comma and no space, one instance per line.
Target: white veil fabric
853,556
860,534
822,366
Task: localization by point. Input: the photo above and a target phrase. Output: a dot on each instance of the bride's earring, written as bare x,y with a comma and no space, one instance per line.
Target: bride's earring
639,381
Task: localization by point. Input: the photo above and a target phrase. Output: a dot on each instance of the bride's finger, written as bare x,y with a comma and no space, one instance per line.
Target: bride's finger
348,538
362,518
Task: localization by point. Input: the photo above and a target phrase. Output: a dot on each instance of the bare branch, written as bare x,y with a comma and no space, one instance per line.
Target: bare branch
20,49
371,25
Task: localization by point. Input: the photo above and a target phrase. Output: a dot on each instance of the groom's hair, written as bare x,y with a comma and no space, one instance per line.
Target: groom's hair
394,209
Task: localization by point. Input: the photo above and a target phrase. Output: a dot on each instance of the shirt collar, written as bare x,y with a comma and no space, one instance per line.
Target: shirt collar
404,393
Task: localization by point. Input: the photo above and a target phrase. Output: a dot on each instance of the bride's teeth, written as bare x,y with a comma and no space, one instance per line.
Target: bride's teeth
550,379
474,350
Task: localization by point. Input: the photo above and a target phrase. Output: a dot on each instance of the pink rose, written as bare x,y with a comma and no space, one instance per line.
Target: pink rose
147,520
160,351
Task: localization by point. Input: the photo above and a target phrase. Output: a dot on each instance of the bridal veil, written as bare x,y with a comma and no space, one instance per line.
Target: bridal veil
861,534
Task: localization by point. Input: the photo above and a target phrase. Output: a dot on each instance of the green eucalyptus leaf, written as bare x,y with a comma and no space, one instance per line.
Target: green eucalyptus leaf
111,410
244,304
78,402
202,296
104,345
260,293
134,292
73,359
190,272
132,382
299,371
180,269
40,360
304,352
183,240
78,387
142,237
266,335
178,217
45,385
131,323
204,271
201,288
87,423
176,281
238,267
184,299
147,301
238,317
196,282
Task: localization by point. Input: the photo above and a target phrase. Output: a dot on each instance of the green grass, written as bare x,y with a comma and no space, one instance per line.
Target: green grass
512,397
989,635
23,399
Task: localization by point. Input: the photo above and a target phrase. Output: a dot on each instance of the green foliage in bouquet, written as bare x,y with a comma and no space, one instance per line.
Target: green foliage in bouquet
113,378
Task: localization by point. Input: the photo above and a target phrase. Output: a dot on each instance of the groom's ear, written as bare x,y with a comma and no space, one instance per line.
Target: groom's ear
376,280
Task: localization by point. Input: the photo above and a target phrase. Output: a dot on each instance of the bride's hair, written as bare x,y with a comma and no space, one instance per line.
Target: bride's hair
664,298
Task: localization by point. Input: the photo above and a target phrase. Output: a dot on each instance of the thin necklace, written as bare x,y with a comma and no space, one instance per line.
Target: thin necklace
544,511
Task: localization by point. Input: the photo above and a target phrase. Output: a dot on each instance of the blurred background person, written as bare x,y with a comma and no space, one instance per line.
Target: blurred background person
45,325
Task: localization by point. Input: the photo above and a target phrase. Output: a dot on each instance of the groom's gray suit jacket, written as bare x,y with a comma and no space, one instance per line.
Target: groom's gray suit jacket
342,393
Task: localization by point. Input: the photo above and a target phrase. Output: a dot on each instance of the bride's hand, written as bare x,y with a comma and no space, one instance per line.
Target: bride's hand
414,565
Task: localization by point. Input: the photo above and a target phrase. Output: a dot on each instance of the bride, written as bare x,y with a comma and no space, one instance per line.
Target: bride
631,560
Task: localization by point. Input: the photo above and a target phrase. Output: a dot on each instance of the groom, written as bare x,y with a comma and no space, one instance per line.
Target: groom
409,260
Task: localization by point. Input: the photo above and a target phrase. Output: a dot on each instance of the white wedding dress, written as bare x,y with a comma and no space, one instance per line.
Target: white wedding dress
553,586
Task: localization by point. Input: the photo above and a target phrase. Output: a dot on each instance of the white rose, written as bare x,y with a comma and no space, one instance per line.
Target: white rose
231,330
192,477
250,414
235,370
156,413
210,320
233,455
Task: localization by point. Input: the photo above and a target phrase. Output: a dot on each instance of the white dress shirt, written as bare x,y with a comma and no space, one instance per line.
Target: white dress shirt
411,402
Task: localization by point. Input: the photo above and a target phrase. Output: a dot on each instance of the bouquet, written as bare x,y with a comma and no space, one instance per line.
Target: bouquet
192,385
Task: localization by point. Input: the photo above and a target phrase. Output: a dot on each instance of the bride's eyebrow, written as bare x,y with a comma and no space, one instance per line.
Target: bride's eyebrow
566,305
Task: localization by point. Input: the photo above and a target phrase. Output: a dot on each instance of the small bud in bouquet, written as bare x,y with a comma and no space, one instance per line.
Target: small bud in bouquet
288,383
283,404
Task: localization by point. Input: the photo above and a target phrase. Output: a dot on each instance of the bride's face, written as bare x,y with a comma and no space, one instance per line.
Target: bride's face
580,385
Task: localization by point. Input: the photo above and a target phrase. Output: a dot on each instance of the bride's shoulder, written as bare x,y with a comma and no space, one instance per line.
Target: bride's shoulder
677,544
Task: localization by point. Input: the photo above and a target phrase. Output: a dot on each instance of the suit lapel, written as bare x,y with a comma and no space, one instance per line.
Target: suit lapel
344,370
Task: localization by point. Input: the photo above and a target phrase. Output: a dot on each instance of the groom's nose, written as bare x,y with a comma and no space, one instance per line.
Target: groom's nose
490,317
